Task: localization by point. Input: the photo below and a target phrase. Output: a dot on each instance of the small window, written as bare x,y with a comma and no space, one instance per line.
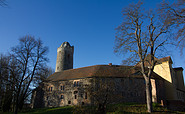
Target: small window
81,95
50,88
69,102
47,97
75,96
82,103
62,87
62,97
74,84
77,84
75,92
85,95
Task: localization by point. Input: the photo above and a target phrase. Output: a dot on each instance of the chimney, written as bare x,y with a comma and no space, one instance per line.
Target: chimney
110,64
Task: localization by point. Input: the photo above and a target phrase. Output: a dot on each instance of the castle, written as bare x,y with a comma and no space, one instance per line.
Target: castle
68,86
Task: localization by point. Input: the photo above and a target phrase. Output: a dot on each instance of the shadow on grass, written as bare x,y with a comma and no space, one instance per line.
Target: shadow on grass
57,110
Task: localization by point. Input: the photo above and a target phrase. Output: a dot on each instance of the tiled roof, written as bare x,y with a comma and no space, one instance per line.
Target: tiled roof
178,68
98,71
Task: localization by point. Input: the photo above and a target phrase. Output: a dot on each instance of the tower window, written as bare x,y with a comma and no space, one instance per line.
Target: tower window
75,96
69,102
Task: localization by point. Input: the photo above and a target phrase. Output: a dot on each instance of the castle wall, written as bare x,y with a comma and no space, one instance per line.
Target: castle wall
74,92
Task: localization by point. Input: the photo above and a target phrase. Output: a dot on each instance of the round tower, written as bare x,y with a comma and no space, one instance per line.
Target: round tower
64,57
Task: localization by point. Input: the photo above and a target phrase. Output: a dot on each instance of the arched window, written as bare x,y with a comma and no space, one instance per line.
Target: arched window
50,88
75,96
75,84
62,97
85,95
62,87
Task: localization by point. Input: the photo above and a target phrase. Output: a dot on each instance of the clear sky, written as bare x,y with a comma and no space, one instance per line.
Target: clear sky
88,25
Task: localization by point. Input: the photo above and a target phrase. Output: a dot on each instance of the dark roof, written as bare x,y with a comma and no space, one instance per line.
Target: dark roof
99,71
178,68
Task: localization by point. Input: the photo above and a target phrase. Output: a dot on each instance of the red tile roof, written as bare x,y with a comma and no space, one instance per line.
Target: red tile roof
98,71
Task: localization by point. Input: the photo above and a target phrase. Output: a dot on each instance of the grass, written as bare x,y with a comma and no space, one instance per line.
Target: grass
56,110
136,108
111,109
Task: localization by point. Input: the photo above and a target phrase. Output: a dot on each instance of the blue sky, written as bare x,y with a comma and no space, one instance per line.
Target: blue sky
88,25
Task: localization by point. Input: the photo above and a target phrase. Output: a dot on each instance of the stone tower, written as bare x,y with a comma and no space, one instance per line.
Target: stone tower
64,57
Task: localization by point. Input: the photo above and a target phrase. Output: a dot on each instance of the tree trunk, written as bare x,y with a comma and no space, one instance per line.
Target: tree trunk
149,95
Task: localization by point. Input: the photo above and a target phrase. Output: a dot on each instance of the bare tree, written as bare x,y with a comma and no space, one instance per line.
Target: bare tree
139,37
102,91
9,80
176,14
30,57
3,3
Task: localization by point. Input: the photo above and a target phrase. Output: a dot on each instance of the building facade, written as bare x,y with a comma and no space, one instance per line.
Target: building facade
68,86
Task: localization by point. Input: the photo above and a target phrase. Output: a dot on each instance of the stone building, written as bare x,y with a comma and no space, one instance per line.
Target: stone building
68,86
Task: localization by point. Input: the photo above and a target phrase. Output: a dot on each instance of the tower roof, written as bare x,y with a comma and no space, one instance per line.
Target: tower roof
65,44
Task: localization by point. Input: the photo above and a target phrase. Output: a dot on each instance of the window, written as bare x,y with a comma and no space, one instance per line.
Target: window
75,96
82,103
86,95
69,102
76,84
62,97
75,92
62,87
50,88
81,95
47,97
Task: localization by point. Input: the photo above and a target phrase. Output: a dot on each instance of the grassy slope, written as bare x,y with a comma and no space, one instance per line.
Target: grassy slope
111,109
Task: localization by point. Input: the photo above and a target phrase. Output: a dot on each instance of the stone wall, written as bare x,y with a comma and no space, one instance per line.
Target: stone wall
74,92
